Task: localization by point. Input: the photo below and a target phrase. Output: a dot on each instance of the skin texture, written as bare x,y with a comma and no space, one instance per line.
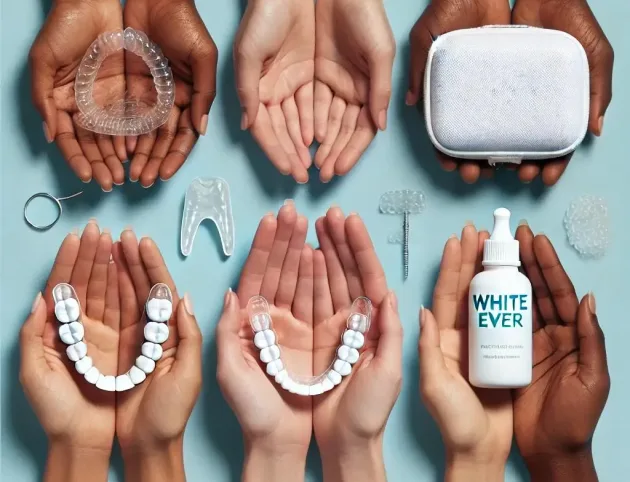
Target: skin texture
175,25
570,371
273,61
572,16
354,54
349,421
476,424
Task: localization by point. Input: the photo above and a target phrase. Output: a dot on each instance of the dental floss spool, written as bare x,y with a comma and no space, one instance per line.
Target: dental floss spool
500,314
159,307
56,200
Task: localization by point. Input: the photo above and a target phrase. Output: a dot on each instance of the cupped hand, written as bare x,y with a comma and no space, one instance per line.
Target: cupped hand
354,55
69,30
174,25
349,421
440,17
555,417
273,60
71,411
576,18
476,424
276,424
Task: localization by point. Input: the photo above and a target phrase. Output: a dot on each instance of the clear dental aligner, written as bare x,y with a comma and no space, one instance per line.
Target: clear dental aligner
159,308
207,198
129,117
587,226
352,340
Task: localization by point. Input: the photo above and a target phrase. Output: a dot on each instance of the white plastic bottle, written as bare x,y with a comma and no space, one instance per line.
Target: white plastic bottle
500,314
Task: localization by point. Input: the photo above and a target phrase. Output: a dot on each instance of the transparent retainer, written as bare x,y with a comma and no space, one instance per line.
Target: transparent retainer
70,310
207,198
125,117
357,324
159,305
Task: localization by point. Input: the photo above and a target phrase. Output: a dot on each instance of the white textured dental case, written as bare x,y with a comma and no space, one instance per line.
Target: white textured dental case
506,94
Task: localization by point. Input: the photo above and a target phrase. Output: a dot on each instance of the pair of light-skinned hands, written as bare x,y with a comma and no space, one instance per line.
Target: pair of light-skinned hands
553,419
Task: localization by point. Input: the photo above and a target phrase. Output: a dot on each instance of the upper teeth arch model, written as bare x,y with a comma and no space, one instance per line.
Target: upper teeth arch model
158,308
352,340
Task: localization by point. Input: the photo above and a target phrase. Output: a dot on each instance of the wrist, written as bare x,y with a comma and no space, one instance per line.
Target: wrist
156,463
470,468
575,466
69,463
266,461
359,460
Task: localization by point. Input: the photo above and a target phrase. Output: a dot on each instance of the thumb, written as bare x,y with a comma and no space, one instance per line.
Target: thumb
31,340
227,335
601,59
42,83
593,364
431,357
204,72
248,70
380,64
389,349
188,356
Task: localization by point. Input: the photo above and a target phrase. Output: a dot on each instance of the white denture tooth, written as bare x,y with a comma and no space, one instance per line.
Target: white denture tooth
83,365
124,383
71,333
92,375
287,383
107,383
269,354
136,375
302,389
261,322
152,350
334,377
264,338
77,351
358,322
67,310
342,367
327,385
316,389
345,353
281,376
156,332
274,367
159,310
145,364
353,339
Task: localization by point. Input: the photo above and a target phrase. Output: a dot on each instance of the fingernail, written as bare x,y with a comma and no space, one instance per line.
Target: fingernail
353,213
228,296
394,301
382,120
600,125
132,179
107,190
129,227
37,301
523,222
147,187
270,213
453,236
409,98
92,221
75,231
422,315
469,223
203,126
592,306
107,231
188,305
244,121
47,135
288,202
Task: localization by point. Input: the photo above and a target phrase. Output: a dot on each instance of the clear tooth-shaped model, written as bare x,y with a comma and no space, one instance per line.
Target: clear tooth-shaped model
352,340
207,198
587,226
159,308
126,117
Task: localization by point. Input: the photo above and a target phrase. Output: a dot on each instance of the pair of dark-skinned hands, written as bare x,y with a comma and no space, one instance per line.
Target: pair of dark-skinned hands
572,16
570,373
71,26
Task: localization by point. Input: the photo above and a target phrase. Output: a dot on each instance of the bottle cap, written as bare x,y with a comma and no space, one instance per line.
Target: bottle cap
501,249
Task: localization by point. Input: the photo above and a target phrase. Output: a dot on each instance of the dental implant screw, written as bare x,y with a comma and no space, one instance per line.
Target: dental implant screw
406,244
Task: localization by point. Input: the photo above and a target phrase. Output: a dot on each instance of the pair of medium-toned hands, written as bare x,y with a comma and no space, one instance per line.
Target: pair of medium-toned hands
71,26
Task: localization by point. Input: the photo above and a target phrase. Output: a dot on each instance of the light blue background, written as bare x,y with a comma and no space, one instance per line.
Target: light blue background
399,158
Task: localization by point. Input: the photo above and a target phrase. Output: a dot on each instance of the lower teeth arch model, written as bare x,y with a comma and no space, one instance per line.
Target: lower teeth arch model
159,307
127,117
352,340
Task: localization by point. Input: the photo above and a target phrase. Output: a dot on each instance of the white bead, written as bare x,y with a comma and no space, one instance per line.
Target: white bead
67,310
334,377
281,376
145,364
107,383
327,385
316,389
269,354
302,389
137,376
83,365
261,322
156,332
345,353
353,339
124,383
92,375
342,367
77,351
264,338
159,310
358,322
152,350
71,333
274,367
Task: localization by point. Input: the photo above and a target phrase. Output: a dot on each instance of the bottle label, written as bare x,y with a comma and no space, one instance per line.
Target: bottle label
500,310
